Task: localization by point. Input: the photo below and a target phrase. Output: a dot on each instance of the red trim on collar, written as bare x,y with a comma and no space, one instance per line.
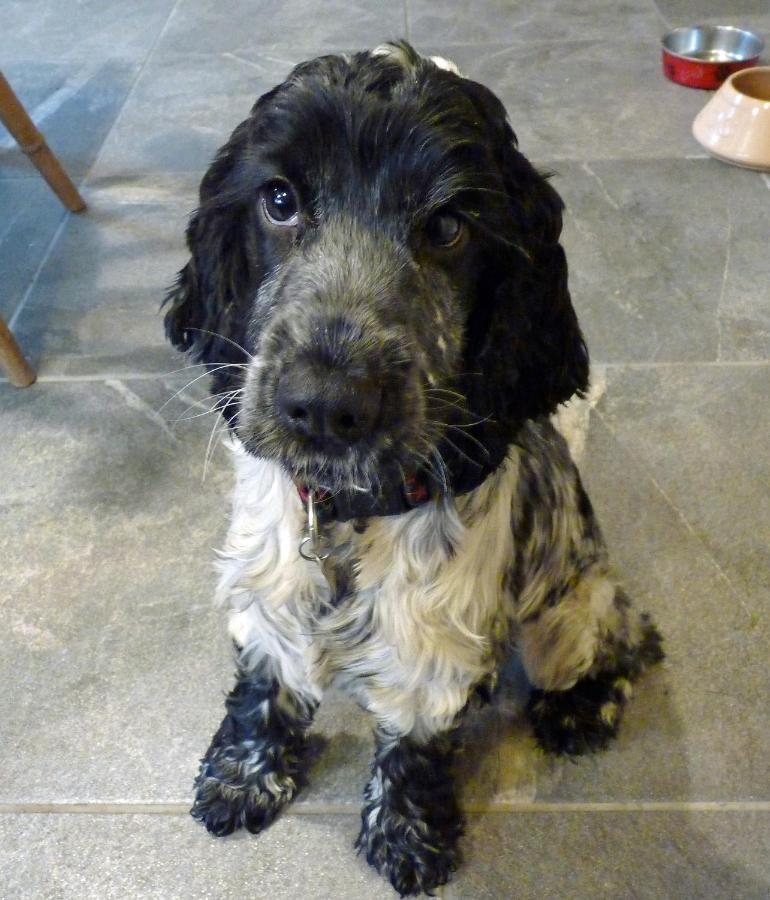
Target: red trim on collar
416,490
321,495
410,493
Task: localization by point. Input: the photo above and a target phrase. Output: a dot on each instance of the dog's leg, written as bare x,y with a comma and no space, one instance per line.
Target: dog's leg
411,821
255,763
583,655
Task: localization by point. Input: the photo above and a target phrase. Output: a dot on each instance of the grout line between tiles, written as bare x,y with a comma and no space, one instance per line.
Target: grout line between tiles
130,93
624,806
52,103
345,809
82,181
723,288
150,376
101,377
683,364
92,182
659,14
33,282
645,469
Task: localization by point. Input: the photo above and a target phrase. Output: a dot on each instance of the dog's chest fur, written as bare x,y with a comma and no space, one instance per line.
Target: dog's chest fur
419,612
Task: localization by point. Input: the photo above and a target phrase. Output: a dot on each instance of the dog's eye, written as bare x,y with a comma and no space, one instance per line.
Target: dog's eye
280,203
445,229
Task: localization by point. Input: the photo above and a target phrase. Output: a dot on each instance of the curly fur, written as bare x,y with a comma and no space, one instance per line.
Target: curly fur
461,350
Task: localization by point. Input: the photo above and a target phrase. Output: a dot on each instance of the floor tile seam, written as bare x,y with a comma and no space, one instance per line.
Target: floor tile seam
97,377
26,175
407,21
309,810
6,228
140,70
684,364
723,284
542,162
65,217
103,193
79,75
128,59
658,12
520,42
78,57
304,49
66,214
689,527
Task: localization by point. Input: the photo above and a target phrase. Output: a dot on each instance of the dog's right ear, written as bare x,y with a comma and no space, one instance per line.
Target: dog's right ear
207,307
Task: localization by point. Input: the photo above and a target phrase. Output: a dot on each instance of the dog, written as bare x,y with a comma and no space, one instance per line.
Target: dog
377,287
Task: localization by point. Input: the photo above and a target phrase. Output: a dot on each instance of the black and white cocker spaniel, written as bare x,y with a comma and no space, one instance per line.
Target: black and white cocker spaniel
377,286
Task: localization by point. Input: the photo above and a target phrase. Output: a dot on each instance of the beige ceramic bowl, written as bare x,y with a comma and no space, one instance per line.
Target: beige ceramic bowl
735,124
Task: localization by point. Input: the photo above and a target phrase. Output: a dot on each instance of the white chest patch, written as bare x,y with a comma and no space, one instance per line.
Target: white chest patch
411,635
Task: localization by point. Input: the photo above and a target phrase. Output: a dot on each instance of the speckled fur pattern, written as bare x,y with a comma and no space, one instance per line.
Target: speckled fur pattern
434,601
471,343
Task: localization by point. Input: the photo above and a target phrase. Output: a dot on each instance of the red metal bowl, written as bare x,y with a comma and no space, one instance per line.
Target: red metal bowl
705,55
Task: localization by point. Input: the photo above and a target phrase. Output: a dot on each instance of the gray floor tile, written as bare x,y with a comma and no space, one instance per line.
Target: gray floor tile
73,104
665,262
628,110
184,107
344,747
58,857
114,662
111,636
31,213
106,533
697,432
606,855
497,21
79,29
695,729
752,14
317,25
95,307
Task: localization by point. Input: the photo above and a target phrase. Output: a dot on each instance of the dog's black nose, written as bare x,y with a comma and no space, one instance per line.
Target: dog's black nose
327,405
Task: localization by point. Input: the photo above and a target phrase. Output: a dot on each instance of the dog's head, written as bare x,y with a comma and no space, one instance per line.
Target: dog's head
376,273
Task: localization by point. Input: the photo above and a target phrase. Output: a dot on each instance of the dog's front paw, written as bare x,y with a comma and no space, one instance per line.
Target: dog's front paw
580,720
586,717
231,795
414,856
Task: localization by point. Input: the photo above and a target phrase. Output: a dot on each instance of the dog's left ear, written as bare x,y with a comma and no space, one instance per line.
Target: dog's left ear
523,335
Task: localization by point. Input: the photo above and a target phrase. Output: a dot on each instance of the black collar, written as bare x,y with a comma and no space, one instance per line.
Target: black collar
393,498
466,467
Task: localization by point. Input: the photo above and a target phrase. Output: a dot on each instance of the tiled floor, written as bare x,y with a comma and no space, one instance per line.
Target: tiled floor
113,660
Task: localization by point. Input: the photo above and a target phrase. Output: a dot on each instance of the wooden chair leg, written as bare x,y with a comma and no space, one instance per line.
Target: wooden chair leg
12,359
15,118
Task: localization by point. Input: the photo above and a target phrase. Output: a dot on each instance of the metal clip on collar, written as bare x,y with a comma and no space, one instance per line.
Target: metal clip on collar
313,539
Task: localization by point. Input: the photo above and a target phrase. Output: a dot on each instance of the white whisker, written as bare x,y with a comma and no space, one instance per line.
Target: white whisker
219,424
462,453
198,378
222,337
216,407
